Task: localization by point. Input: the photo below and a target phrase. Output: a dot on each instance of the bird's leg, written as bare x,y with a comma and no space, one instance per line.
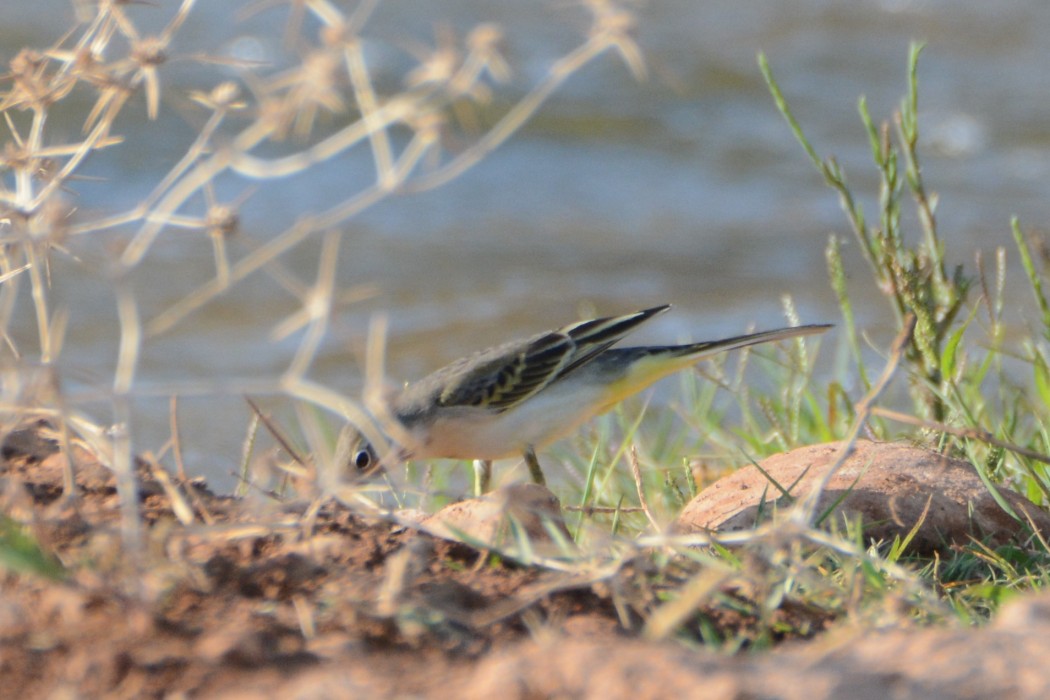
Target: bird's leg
534,466
482,476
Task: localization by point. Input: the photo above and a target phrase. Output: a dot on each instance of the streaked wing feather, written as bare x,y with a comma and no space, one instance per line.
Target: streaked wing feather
522,370
535,369
512,376
594,337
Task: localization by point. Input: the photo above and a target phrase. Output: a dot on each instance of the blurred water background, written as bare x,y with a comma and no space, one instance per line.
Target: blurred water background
686,188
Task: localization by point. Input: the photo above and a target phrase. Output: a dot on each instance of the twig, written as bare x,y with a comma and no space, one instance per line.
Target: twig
666,618
275,433
176,442
605,510
806,507
180,466
636,472
179,506
317,308
971,433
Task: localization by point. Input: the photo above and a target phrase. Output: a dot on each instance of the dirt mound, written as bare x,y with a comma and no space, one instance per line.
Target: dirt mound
239,601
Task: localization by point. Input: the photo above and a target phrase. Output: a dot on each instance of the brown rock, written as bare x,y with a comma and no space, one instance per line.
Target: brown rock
887,485
498,518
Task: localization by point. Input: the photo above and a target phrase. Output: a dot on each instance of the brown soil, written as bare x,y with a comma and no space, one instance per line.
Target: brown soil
247,602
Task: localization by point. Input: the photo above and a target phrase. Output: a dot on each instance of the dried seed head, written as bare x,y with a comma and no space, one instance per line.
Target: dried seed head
51,221
15,156
222,220
225,94
31,89
149,51
223,97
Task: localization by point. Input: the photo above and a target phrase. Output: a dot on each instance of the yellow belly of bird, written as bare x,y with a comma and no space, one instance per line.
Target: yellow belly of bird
474,433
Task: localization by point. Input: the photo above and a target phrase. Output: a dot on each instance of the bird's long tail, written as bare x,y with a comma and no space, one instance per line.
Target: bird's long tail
694,352
643,366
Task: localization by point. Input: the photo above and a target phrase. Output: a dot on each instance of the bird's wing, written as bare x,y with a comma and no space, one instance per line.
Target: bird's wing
503,377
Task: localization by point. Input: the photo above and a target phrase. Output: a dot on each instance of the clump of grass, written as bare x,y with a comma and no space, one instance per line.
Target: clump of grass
965,394
912,275
965,398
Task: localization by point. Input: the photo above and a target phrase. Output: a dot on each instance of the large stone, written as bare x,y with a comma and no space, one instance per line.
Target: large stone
886,485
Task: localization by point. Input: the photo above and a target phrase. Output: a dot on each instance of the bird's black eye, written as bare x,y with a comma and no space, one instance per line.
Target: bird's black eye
363,459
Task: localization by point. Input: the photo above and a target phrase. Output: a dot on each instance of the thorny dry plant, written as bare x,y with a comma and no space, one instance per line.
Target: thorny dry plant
106,61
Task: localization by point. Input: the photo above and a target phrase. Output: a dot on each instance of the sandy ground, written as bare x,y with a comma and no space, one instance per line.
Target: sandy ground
243,604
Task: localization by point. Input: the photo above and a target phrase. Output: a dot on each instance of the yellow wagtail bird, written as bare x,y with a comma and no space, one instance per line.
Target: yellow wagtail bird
514,398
